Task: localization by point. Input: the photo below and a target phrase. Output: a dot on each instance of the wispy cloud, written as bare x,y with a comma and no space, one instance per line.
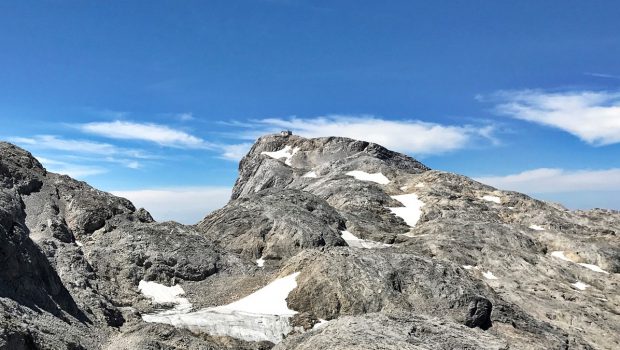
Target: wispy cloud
409,136
593,116
82,150
185,117
603,75
554,180
234,152
78,171
52,142
157,133
183,204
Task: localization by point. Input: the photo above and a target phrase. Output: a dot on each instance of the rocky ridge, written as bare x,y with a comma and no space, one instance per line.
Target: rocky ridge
456,264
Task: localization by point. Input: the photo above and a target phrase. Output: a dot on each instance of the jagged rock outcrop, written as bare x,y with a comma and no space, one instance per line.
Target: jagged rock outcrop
274,224
383,253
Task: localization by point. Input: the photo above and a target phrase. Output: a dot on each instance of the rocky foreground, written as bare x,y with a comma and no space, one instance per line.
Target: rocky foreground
326,243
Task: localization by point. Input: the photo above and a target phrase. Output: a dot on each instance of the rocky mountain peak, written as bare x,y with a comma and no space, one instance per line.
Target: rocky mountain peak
326,243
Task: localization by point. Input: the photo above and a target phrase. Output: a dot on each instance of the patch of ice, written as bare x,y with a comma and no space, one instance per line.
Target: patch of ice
364,176
537,228
560,255
161,294
595,268
260,262
262,315
310,174
79,244
412,209
580,285
420,185
269,300
468,267
322,323
287,152
355,242
494,199
489,275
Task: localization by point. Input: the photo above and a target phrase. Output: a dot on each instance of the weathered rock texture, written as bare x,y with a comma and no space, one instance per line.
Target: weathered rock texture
481,268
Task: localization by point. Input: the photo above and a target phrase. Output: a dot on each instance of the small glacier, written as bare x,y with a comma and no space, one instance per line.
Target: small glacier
262,315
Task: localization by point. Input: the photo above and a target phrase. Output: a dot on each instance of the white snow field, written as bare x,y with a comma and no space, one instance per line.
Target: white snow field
262,315
580,285
494,199
489,275
560,255
260,262
364,176
412,209
537,228
287,152
161,294
595,268
356,242
310,174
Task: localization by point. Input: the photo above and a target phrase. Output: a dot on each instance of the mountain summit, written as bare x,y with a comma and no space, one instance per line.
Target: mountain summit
327,243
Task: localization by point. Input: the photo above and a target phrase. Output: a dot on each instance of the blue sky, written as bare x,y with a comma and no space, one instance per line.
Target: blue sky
157,100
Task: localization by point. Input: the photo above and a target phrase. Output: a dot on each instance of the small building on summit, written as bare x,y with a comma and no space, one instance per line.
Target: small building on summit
286,133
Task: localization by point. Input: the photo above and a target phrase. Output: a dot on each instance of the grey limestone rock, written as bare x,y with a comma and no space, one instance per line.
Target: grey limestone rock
481,268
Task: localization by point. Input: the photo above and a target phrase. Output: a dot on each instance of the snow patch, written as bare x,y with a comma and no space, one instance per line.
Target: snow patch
594,268
412,209
494,199
404,188
260,262
420,185
287,152
355,242
580,285
489,275
560,255
269,300
364,176
161,294
468,267
322,323
309,174
79,244
537,228
262,315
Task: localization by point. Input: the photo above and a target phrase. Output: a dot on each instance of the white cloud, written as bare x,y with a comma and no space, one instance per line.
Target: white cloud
410,136
603,75
184,204
592,116
51,142
234,152
71,146
551,180
76,171
185,117
160,134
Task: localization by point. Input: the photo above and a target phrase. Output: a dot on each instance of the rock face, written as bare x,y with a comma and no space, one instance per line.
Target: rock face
448,262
